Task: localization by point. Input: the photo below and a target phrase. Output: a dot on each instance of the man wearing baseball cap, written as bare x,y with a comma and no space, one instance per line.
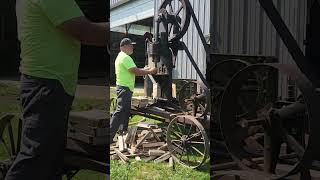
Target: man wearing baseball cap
126,71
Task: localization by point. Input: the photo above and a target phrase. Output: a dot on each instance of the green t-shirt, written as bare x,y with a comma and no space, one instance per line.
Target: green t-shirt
46,51
123,76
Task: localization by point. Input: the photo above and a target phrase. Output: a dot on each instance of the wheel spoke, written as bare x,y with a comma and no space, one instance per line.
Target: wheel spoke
189,130
197,150
179,10
194,135
10,131
176,134
196,142
178,128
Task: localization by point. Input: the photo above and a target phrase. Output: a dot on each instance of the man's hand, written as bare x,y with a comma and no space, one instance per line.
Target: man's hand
153,71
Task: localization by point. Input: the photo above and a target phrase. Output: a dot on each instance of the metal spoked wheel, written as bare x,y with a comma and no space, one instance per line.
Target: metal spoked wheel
194,97
257,127
219,75
187,141
10,138
178,25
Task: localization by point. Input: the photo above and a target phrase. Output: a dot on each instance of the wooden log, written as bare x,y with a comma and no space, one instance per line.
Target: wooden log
163,157
131,135
170,162
154,152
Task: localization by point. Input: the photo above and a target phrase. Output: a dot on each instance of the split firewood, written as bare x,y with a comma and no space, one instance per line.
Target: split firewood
154,152
154,134
131,135
121,156
171,162
121,143
112,152
163,157
139,142
164,147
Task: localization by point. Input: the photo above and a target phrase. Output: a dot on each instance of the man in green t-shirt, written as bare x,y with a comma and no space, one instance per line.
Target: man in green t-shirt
126,71
50,32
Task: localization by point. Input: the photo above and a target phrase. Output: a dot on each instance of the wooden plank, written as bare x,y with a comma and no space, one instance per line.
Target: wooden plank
139,142
163,157
88,139
147,125
164,147
93,118
154,134
150,145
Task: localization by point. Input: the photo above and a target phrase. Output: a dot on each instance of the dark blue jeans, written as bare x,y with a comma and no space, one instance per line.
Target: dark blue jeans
120,117
45,111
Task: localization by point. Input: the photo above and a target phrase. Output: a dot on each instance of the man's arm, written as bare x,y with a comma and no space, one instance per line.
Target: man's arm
87,32
142,72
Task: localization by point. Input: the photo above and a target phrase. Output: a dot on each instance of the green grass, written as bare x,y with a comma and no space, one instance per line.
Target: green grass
155,171
8,89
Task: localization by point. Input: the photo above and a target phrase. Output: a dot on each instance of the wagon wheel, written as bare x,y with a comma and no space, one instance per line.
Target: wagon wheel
194,97
254,134
178,25
10,138
187,141
219,76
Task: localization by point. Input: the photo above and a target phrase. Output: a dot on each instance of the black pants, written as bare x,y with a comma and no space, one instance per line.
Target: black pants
45,111
120,118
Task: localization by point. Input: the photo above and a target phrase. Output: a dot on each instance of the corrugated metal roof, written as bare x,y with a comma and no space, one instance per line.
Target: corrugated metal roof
132,11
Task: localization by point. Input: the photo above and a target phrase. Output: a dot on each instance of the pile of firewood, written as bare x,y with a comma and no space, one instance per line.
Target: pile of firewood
144,141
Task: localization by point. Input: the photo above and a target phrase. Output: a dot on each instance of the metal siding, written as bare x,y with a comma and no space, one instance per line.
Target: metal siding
184,69
242,27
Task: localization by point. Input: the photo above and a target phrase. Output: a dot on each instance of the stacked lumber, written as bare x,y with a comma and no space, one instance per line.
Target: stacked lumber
145,141
88,133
